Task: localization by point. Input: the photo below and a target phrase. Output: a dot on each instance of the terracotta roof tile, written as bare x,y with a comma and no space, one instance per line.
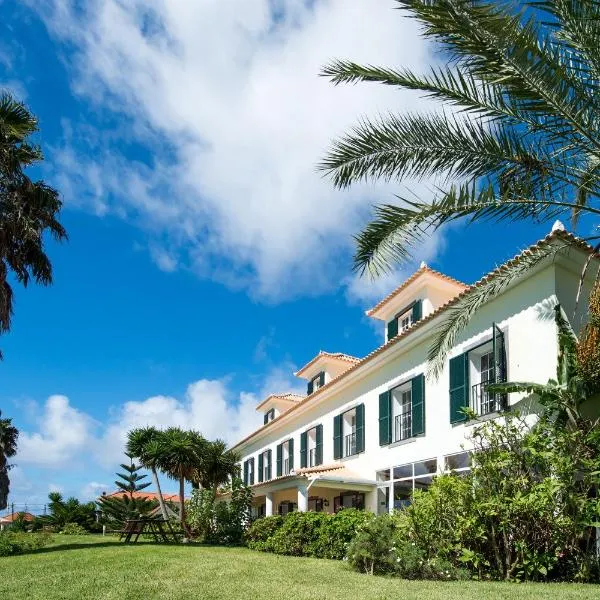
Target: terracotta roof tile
336,355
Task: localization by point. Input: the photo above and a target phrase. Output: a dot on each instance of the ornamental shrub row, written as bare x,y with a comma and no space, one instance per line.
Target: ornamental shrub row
12,543
318,535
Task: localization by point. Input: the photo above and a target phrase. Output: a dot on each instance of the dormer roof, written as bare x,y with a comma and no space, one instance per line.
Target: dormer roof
424,274
279,401
321,360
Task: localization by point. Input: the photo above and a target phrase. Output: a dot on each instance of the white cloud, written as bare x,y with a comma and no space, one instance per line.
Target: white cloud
93,489
63,432
226,98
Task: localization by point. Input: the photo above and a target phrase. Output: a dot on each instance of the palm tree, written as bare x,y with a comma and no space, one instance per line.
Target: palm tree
144,444
518,138
219,466
28,209
180,457
8,448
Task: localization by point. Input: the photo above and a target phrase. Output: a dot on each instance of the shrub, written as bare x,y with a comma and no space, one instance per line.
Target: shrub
371,551
12,543
339,530
300,534
74,529
261,531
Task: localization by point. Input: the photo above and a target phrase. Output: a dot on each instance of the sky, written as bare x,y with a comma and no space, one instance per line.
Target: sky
207,259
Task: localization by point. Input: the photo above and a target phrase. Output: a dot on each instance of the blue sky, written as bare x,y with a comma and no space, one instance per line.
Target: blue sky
207,258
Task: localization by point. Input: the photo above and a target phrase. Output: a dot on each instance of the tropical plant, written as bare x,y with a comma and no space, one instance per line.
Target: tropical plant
8,448
518,139
127,504
219,466
180,457
144,444
28,209
61,512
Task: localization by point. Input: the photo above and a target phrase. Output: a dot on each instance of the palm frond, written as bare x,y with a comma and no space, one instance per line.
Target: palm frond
16,122
524,387
460,313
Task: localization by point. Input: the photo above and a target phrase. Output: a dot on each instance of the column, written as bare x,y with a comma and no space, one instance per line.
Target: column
269,504
302,498
371,501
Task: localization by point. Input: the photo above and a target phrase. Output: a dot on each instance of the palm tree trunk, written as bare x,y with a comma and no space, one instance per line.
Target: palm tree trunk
182,505
161,500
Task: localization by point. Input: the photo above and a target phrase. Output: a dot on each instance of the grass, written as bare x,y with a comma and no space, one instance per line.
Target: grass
101,568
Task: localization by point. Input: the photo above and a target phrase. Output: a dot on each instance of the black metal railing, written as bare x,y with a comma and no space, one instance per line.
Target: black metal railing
484,402
403,426
286,466
350,444
312,457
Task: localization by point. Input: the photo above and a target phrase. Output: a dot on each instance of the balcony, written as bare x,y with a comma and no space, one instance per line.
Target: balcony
403,426
350,444
312,457
484,402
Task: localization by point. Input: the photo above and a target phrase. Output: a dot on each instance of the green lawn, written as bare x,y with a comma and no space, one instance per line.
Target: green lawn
91,567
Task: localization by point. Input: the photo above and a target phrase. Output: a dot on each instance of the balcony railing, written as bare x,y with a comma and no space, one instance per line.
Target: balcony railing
403,426
350,444
312,457
286,466
484,402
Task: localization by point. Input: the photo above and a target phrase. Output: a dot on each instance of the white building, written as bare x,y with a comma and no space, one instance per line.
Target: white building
371,430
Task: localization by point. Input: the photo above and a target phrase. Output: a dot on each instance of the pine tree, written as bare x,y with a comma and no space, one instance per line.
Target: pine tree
127,505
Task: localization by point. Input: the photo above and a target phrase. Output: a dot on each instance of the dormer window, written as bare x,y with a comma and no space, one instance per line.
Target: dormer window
269,415
404,319
316,382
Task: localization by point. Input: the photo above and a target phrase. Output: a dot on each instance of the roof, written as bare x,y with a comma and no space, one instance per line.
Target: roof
340,356
423,269
555,235
143,496
14,516
286,397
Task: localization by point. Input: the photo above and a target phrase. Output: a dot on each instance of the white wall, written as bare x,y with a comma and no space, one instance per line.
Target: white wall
531,355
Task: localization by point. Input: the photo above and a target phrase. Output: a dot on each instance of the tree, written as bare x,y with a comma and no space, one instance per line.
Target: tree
127,505
28,209
518,139
8,448
219,466
144,443
63,511
180,457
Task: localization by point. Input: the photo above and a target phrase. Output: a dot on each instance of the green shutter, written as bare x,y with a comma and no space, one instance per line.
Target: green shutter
459,387
385,418
499,350
321,378
360,428
245,472
303,452
291,452
418,405
270,464
266,419
260,467
392,329
337,437
309,389
319,445
417,311
251,461
279,460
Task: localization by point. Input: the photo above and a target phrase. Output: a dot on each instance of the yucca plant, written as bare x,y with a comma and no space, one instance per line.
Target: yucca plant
518,137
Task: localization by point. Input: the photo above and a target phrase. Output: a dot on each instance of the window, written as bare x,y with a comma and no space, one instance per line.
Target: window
269,415
349,432
249,471
316,382
264,466
402,412
404,319
349,500
311,447
458,463
285,458
482,372
286,507
316,504
404,481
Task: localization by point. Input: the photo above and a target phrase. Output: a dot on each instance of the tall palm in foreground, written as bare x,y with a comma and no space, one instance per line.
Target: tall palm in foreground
181,458
519,139
28,209
8,448
144,444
